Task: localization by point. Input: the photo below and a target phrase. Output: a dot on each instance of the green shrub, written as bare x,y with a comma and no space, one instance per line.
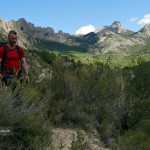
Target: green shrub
47,56
30,129
78,142
139,138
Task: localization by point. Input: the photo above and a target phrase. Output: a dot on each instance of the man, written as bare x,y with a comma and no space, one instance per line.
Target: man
14,60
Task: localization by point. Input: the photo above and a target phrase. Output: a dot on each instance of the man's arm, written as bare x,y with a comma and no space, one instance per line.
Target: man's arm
24,65
25,68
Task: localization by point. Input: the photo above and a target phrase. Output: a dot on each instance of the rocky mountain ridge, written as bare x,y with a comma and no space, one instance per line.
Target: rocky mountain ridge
108,39
144,32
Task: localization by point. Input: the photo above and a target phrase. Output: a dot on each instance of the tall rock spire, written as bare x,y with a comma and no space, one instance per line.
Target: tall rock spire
117,26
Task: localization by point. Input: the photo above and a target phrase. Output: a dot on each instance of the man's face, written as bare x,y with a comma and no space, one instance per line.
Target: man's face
12,39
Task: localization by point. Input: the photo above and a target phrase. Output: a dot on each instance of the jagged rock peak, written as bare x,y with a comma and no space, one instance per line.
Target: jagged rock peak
118,27
29,27
116,24
145,31
22,20
145,28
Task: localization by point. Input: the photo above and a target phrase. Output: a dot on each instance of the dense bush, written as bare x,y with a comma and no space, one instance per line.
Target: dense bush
30,130
47,57
114,102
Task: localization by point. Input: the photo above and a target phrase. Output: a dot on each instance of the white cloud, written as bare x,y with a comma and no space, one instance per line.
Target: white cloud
133,19
145,20
85,29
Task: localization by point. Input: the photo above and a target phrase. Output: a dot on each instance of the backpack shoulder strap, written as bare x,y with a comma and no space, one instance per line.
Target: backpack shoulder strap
4,54
4,57
18,51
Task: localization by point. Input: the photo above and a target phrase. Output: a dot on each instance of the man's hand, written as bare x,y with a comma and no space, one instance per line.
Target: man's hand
27,79
1,76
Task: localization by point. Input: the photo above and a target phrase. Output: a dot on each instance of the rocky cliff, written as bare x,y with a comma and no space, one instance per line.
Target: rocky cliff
108,39
144,32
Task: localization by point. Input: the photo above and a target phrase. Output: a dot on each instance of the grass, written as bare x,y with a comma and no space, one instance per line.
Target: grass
142,51
115,60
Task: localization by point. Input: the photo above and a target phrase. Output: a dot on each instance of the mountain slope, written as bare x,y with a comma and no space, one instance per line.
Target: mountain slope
113,39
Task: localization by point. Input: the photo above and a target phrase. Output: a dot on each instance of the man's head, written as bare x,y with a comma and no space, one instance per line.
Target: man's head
12,38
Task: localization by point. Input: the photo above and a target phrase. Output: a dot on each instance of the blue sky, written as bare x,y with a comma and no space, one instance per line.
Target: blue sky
72,15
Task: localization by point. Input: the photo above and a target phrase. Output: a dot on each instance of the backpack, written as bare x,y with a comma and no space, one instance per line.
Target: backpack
4,59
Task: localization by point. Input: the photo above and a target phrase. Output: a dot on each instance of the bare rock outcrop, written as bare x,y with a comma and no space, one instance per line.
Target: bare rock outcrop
117,27
46,73
113,39
65,137
5,27
144,32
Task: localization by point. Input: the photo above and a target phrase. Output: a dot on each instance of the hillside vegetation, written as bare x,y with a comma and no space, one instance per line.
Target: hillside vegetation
111,101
